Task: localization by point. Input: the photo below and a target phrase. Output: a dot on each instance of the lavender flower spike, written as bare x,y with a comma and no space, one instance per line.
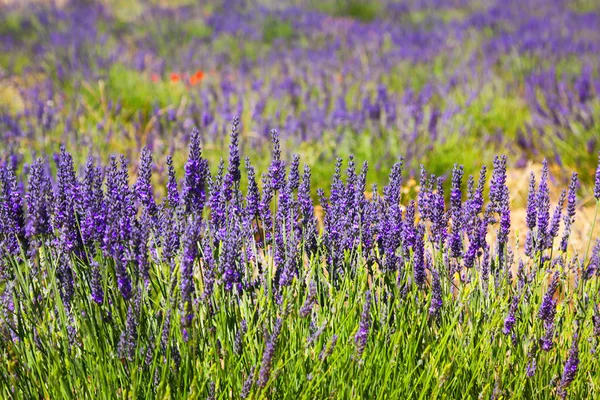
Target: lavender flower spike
597,183
570,370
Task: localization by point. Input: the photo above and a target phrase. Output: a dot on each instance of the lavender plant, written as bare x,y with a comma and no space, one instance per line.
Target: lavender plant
219,292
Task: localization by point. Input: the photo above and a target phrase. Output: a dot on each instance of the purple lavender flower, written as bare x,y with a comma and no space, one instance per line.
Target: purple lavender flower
196,172
593,267
436,295
510,320
143,187
123,279
531,216
294,175
439,218
93,208
596,320
209,269
252,196
597,183
360,339
307,212
172,188
570,370
310,300
190,253
499,196
569,217
264,208
277,168
128,339
66,196
238,342
12,221
419,256
327,351
96,284
230,259
264,374
248,384
233,176
548,307
456,212
543,208
547,340
39,201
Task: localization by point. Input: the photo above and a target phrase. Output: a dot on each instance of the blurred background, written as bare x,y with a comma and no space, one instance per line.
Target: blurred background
438,82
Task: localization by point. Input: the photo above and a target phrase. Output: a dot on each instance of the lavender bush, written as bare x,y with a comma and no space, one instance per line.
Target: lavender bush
213,291
336,77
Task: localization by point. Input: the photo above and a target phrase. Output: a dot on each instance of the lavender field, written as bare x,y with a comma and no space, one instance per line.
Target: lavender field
300,199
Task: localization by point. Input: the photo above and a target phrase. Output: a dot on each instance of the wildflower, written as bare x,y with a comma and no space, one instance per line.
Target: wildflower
175,77
196,78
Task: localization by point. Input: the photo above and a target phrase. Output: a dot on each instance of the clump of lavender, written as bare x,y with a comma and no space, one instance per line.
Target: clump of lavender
360,339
